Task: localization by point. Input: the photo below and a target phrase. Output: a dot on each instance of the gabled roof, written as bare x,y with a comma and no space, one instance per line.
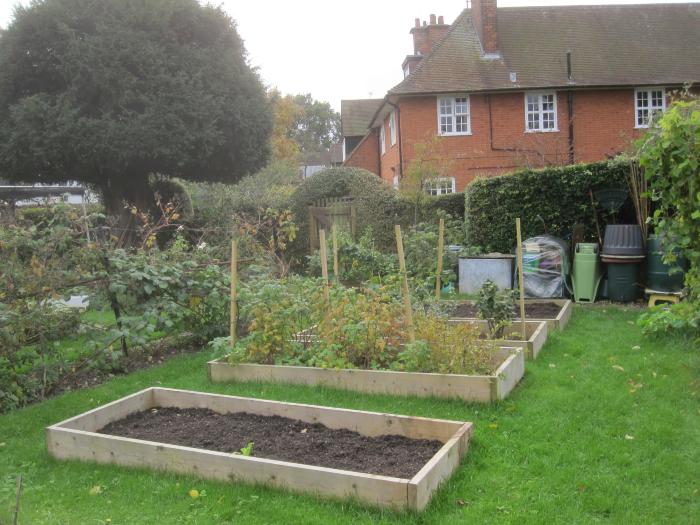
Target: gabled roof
356,115
616,45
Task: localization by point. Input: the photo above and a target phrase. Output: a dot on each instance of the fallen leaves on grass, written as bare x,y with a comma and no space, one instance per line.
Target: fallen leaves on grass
618,368
95,490
194,493
493,425
629,438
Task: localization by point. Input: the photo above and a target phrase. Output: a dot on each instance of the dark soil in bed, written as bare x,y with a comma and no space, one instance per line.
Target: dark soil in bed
532,310
279,438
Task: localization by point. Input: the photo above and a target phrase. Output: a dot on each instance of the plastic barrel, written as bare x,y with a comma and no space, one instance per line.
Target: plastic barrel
659,277
623,282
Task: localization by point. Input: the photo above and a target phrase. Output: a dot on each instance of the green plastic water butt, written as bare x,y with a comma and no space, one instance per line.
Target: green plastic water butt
659,276
623,282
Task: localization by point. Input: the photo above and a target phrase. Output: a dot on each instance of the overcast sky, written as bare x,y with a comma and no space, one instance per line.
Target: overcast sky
336,50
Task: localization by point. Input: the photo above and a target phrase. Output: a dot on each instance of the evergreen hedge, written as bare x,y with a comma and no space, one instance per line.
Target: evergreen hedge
559,195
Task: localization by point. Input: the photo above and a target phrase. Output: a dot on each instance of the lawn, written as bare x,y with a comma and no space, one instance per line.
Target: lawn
605,427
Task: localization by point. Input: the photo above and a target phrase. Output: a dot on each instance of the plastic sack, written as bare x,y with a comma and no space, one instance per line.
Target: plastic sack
546,265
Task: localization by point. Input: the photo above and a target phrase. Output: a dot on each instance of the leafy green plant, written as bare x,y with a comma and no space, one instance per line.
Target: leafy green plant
670,156
248,449
496,307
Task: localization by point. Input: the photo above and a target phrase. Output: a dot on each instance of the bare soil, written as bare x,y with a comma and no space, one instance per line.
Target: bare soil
532,310
279,438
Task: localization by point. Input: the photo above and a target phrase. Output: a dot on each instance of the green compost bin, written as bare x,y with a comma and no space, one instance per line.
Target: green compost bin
623,282
586,274
659,276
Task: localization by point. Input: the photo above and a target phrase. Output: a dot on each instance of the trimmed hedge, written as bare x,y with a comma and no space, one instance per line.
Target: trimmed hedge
452,204
559,195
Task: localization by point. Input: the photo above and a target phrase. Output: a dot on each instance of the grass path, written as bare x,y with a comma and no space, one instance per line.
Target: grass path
605,428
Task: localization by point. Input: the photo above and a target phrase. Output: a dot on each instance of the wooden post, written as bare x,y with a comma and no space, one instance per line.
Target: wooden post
521,280
18,498
441,250
324,264
336,270
234,291
408,310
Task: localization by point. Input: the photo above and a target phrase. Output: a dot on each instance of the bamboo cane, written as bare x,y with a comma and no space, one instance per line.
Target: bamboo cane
336,270
521,281
234,291
441,250
408,310
324,264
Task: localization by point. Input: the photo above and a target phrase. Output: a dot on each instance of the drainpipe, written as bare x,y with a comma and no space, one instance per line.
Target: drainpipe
570,102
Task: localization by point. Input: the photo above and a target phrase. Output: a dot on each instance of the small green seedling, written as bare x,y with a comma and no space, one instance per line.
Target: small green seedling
248,449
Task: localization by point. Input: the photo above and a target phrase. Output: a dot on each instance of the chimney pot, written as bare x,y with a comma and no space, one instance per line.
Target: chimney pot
433,20
441,20
425,23
417,24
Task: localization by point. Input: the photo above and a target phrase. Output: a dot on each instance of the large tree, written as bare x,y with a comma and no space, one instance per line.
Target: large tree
317,125
108,92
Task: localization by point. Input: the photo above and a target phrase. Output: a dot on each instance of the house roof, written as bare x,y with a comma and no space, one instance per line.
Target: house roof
356,115
616,45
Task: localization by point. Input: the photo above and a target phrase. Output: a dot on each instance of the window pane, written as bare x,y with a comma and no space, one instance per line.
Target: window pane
642,99
657,99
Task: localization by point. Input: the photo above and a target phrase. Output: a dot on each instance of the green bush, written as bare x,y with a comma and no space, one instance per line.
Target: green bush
451,204
559,195
378,205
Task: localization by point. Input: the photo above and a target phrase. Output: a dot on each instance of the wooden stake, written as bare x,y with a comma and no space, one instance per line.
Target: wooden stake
324,264
408,310
234,290
336,270
521,281
441,250
18,498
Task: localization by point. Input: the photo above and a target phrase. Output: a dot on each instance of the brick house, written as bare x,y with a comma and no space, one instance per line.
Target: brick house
506,88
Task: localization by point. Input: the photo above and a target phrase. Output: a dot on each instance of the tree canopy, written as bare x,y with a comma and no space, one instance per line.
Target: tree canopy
108,92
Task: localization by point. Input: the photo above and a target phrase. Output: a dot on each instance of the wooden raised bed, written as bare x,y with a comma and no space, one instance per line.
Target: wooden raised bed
76,438
536,335
553,323
482,389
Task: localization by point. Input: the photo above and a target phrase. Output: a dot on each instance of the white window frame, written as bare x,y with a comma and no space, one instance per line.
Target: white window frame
382,139
392,127
650,107
453,115
435,188
540,112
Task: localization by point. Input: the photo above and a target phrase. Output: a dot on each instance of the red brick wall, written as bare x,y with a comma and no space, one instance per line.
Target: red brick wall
366,154
604,125
390,160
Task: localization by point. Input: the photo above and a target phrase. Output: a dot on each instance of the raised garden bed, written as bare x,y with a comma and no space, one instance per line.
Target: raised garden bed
555,312
156,439
509,364
536,332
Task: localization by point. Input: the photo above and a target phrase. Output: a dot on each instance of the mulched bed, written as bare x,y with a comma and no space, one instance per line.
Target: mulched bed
279,438
532,310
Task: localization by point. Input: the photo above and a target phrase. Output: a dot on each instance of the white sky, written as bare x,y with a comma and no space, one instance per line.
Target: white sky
336,50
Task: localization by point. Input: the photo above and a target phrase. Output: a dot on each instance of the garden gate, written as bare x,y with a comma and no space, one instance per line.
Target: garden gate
329,211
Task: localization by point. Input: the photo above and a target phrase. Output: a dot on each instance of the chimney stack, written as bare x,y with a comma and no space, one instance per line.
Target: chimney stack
485,21
425,36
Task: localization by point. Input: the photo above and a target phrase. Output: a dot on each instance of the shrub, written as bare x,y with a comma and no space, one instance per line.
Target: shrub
496,307
358,262
670,157
560,196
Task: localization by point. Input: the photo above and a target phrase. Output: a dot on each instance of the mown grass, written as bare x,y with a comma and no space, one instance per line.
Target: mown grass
605,428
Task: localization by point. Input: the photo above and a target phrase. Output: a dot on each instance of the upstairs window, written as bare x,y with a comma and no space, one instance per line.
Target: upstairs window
540,112
392,127
439,186
453,115
647,104
382,139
